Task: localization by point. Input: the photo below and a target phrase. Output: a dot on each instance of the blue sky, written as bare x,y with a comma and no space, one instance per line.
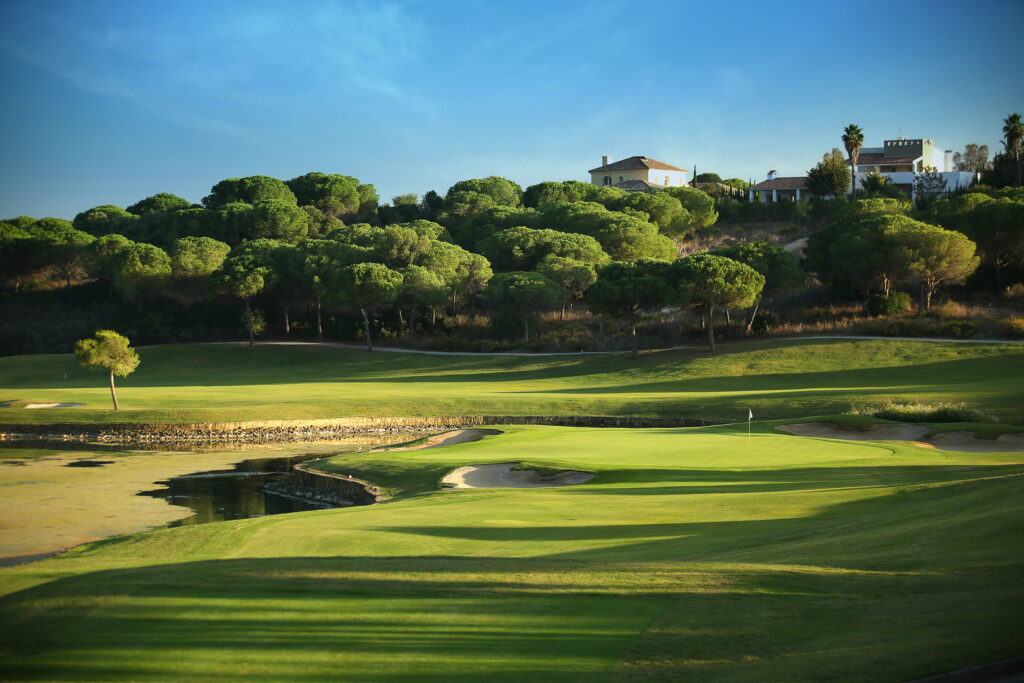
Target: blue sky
111,102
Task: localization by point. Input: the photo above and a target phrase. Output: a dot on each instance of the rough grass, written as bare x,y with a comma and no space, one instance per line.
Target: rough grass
692,554
189,383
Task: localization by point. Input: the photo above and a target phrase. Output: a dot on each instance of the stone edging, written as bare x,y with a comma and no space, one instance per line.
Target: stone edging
280,430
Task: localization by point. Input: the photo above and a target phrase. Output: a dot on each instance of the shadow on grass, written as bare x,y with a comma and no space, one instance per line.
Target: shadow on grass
848,590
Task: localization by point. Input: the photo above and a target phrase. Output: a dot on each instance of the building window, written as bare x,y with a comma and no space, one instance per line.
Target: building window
620,179
607,180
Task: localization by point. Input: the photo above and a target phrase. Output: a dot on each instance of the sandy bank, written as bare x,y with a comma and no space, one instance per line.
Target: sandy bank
448,439
501,475
949,441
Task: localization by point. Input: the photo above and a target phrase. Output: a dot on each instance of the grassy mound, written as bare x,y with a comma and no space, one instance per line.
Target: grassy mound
778,379
691,554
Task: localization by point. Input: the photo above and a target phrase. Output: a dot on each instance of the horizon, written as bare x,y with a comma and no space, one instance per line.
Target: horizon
109,103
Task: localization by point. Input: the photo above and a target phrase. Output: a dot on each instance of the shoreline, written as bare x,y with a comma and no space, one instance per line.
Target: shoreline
269,431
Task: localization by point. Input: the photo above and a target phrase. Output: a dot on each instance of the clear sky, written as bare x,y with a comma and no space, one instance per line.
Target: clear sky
111,102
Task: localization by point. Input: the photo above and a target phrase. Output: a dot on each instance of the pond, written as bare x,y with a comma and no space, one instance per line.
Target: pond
56,495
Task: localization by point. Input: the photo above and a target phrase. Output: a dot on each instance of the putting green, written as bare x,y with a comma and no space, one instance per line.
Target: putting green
219,382
690,554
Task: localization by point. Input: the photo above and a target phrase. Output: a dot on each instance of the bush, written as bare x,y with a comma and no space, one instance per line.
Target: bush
894,304
925,412
1015,291
1012,326
763,322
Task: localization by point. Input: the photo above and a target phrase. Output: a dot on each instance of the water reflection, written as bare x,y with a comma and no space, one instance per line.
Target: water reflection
238,493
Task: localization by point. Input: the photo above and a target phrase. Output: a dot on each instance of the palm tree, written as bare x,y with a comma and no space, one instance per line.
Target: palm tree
1013,132
853,139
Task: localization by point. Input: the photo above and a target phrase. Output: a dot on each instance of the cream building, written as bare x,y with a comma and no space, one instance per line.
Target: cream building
637,173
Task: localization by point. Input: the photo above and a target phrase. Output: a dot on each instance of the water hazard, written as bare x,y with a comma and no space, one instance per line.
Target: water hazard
234,494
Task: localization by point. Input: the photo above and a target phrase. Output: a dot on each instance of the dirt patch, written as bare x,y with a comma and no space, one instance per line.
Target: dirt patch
878,432
501,475
449,439
948,441
966,441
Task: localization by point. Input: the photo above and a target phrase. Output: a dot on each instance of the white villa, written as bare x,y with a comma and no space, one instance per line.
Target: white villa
637,174
901,160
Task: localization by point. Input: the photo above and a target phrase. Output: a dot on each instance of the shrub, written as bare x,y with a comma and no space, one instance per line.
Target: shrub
925,412
1015,291
1012,326
894,304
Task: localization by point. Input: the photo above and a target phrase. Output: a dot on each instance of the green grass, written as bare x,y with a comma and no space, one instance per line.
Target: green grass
691,555
776,379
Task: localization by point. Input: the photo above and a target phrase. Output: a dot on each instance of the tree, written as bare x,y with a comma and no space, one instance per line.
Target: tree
928,185
279,220
104,257
252,189
995,225
141,268
102,220
698,204
627,290
316,264
876,185
109,350
853,140
1013,135
421,290
63,246
522,294
370,286
781,270
935,257
194,259
707,281
163,202
830,176
974,158
571,275
243,275
522,248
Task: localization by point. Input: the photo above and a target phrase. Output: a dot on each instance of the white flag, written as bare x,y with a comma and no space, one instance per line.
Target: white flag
750,414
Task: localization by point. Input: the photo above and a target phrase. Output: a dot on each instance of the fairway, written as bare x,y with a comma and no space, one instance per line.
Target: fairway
692,553
776,379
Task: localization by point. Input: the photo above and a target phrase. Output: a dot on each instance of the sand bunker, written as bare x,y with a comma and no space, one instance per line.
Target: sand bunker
949,441
878,432
53,405
501,475
965,441
448,439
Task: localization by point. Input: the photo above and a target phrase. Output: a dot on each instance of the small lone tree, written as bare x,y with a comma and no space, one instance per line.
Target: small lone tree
110,350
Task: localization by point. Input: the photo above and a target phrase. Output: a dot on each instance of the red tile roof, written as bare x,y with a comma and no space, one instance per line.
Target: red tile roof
790,183
872,159
635,164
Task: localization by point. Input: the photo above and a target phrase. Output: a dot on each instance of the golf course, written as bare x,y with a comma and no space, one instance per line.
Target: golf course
734,552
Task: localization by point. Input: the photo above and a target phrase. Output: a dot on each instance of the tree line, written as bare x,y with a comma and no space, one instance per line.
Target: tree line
320,243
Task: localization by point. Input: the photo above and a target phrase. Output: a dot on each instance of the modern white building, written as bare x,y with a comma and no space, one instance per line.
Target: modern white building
902,160
637,174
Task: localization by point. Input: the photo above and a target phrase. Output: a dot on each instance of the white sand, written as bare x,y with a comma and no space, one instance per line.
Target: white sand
53,405
949,441
501,475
